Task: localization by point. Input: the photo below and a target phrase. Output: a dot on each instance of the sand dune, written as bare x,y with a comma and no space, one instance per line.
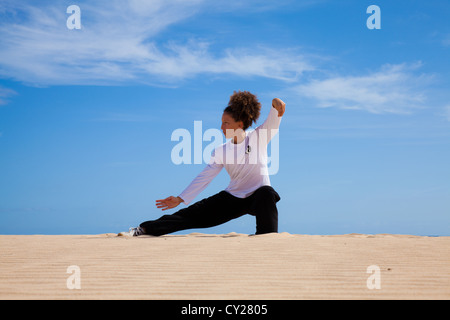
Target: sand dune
228,266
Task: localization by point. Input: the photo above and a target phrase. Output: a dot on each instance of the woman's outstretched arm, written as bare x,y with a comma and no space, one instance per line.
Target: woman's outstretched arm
197,185
269,128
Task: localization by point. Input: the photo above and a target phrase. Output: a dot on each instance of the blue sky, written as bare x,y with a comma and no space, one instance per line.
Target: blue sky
86,116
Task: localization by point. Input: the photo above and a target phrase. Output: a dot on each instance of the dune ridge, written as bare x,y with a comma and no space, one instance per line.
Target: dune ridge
225,266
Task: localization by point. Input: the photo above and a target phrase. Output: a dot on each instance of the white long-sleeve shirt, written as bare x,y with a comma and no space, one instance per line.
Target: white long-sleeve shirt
245,162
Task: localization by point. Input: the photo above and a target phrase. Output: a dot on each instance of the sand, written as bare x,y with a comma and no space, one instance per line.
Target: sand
229,266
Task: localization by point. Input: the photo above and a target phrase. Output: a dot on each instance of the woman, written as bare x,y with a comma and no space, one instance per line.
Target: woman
244,157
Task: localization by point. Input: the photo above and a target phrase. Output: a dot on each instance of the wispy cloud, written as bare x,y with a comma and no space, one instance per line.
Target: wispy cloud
120,43
117,44
5,93
188,60
398,89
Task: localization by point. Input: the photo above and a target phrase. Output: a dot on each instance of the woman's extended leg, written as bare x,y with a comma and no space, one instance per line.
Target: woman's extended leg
209,212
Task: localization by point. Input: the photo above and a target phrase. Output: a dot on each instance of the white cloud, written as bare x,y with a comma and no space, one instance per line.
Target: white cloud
394,89
117,44
185,61
5,93
120,42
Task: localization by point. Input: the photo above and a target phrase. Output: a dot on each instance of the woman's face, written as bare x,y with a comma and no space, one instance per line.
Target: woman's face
229,126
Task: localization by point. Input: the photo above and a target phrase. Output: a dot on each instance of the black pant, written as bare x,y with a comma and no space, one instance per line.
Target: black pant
218,209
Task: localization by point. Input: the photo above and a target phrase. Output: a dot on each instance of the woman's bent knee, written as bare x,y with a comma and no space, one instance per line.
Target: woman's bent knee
267,192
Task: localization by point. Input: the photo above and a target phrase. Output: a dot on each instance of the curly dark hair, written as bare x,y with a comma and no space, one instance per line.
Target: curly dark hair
244,106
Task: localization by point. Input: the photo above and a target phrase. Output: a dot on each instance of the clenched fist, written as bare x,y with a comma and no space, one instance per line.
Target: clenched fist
279,105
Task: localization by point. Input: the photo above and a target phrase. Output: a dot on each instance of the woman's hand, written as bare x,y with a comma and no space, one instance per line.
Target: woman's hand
168,203
279,105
